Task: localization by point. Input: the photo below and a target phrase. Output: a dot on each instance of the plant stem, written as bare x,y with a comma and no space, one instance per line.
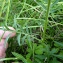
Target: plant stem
7,13
22,8
2,8
46,20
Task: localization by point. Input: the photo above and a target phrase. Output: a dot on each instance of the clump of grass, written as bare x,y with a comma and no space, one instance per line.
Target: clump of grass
39,31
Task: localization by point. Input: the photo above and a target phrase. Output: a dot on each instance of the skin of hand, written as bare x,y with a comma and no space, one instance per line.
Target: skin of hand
3,46
7,32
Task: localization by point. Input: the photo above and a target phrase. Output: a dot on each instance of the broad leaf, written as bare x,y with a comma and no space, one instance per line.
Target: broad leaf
20,57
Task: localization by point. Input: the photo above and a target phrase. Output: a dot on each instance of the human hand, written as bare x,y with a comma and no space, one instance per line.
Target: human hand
3,46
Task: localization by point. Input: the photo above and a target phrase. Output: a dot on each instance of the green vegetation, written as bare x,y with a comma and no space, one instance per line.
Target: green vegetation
39,30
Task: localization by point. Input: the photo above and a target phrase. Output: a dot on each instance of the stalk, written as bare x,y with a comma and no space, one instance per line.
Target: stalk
46,20
7,13
22,9
2,8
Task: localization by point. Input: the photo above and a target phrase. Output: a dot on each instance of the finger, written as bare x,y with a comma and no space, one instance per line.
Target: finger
6,33
3,56
2,51
2,43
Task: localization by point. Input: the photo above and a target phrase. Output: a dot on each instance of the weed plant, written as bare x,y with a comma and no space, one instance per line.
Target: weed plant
39,30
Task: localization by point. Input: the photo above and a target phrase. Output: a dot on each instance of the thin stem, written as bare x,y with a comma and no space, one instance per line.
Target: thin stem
2,8
33,52
7,13
22,9
46,20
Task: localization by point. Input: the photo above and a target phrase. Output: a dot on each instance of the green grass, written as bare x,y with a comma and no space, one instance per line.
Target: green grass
39,30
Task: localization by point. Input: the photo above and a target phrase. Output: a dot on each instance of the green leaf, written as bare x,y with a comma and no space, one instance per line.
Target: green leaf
41,57
23,39
54,50
59,56
61,52
54,61
55,2
29,50
34,46
18,38
15,22
58,44
29,60
28,55
37,60
41,3
20,57
39,49
21,22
